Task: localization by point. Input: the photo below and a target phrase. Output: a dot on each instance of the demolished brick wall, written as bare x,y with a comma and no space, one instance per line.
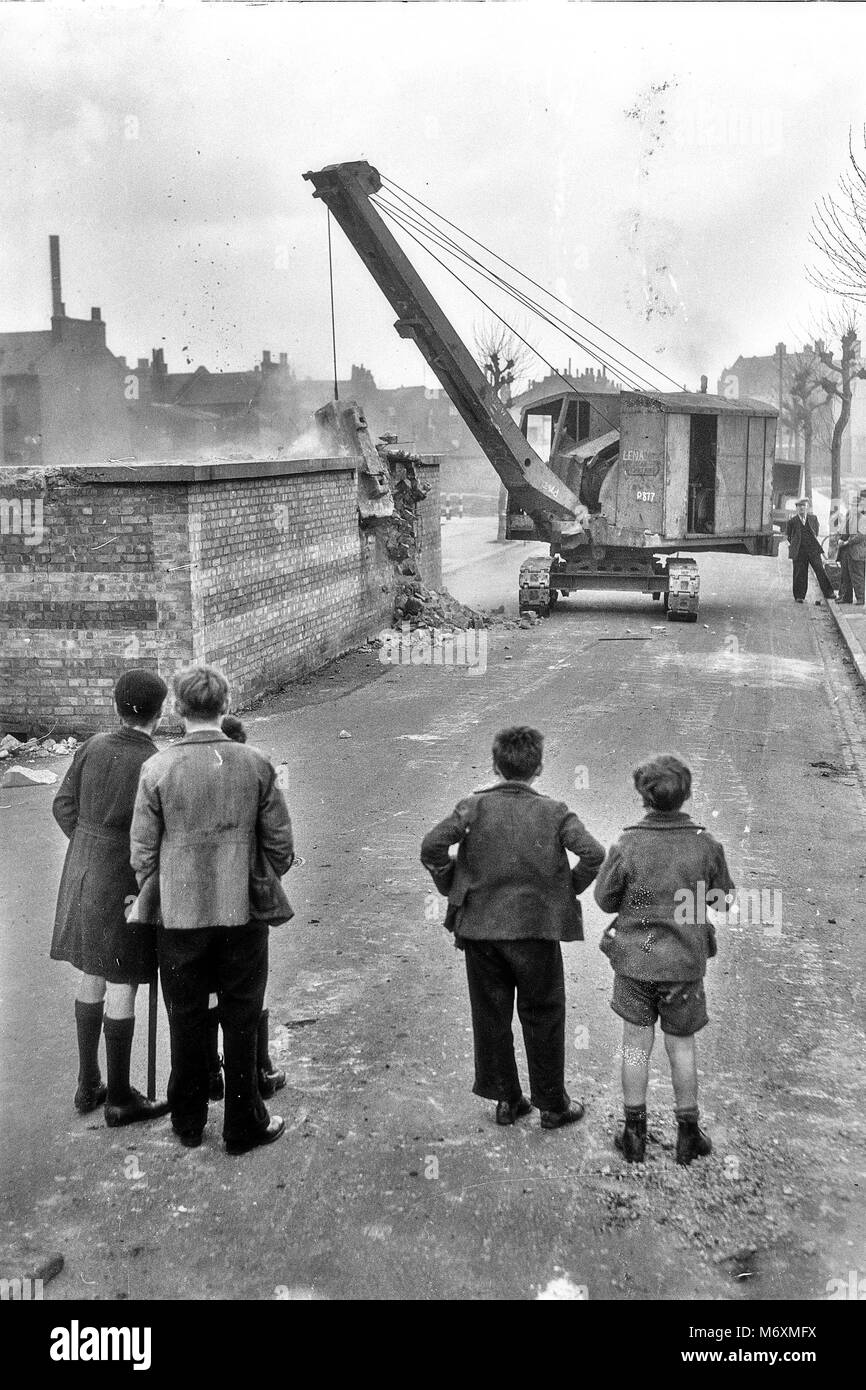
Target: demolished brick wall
259,567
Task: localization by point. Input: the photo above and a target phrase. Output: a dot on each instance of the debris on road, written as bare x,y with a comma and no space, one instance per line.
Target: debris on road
12,747
28,777
422,607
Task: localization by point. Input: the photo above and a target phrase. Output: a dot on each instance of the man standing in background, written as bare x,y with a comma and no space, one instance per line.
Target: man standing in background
804,549
852,555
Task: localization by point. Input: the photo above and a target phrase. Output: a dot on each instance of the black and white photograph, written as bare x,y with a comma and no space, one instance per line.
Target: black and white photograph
433,669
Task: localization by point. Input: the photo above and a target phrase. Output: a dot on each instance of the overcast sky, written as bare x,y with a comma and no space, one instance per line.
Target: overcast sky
656,164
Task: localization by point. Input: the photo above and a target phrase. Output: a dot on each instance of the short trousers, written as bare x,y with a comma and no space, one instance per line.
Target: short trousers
680,1004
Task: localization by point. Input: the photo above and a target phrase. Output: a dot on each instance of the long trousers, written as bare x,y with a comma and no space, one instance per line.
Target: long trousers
852,585
191,963
496,971
801,574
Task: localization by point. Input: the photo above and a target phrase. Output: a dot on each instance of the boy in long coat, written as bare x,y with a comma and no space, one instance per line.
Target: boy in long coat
93,808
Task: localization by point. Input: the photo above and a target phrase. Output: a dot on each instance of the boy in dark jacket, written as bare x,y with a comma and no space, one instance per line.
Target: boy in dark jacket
660,878
511,901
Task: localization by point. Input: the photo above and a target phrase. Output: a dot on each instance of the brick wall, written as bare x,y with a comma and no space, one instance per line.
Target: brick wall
429,528
260,568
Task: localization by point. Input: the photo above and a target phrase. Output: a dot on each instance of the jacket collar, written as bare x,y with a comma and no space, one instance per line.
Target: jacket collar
206,736
666,820
512,787
126,731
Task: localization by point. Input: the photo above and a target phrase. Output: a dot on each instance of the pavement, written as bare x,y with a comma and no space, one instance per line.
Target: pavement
392,1180
851,623
850,620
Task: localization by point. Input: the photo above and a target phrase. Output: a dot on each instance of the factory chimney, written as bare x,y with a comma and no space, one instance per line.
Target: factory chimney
704,385
57,309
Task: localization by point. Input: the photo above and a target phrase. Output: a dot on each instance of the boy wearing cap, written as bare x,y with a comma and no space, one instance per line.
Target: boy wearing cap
93,808
656,878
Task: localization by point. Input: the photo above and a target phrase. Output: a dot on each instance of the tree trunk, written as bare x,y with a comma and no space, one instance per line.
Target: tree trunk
807,458
836,450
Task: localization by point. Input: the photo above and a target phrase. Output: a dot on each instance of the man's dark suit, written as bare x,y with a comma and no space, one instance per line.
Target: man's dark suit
511,901
804,550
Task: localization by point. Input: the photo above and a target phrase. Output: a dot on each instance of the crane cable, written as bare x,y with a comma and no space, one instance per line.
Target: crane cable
554,370
597,327
333,318
631,377
528,304
628,375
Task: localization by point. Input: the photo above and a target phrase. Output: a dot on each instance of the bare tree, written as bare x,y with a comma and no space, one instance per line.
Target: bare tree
503,356
839,233
836,381
504,359
803,405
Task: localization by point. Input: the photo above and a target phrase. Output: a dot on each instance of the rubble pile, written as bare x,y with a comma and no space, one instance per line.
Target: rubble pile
419,606
11,747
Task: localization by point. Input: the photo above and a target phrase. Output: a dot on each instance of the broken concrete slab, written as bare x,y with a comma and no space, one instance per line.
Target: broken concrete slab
28,777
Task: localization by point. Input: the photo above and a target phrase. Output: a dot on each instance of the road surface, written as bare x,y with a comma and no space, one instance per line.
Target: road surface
392,1180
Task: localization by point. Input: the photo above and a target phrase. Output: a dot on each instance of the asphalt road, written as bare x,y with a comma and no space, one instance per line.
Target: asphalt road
392,1180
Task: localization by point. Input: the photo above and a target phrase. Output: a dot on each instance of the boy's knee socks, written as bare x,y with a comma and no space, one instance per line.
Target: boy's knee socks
118,1052
88,1024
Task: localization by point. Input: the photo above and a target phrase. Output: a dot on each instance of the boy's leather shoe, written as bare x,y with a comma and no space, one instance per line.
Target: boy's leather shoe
190,1138
507,1111
631,1140
138,1107
555,1119
691,1142
89,1098
272,1130
270,1082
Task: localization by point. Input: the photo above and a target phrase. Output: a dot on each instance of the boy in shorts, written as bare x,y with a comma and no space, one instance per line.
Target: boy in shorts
660,877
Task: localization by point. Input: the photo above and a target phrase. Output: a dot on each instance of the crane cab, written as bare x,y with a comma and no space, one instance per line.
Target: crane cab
660,470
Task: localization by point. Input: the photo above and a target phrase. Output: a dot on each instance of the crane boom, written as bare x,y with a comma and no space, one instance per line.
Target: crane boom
533,486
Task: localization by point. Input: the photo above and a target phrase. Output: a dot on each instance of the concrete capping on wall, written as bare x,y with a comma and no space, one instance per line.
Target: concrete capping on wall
220,470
